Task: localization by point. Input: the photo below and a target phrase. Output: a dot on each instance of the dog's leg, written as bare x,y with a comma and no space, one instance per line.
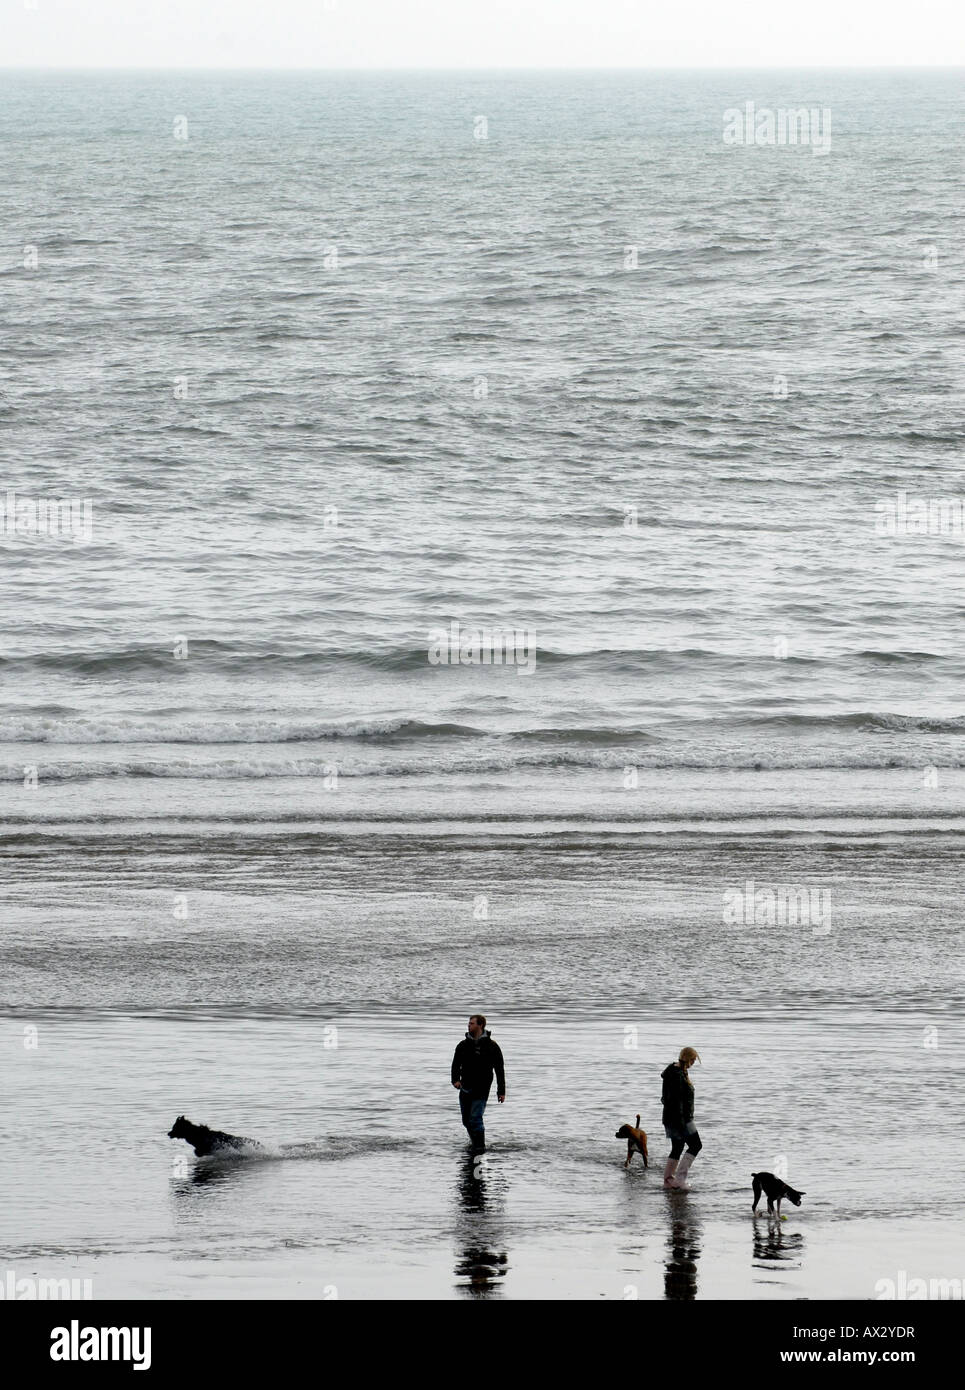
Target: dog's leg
629,1153
757,1196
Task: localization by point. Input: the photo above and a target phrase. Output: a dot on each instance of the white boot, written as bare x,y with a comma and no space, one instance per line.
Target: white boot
669,1168
681,1178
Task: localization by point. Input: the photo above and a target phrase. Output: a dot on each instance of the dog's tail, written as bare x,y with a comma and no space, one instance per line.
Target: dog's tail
638,1122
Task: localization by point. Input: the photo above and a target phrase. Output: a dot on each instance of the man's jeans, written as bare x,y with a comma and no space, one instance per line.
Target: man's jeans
472,1115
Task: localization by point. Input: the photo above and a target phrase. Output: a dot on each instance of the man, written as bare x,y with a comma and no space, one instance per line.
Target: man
473,1063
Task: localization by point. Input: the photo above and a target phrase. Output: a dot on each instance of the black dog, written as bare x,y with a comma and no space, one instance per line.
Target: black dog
776,1191
206,1141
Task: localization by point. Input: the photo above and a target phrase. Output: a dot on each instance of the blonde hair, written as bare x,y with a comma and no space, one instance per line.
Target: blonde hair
688,1056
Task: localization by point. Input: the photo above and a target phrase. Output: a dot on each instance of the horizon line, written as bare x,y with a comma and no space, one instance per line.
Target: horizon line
667,67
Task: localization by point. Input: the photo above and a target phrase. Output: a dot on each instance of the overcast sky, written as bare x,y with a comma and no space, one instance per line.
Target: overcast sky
480,33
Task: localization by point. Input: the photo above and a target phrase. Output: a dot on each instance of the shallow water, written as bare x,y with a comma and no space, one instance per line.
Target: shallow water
307,1002
370,1190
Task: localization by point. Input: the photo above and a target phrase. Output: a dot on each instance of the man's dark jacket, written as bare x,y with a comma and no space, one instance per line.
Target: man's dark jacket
473,1064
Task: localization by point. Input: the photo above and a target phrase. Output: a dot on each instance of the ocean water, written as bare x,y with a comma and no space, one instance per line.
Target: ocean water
340,360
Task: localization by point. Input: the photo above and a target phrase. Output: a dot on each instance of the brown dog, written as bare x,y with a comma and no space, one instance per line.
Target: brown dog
636,1142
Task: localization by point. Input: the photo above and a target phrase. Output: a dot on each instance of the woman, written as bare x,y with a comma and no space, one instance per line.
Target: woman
678,1118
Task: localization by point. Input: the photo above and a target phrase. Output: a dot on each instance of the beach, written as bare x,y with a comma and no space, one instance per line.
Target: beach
356,396
306,1001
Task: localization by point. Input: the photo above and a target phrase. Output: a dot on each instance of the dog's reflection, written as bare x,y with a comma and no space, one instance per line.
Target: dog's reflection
481,1260
683,1252
210,1174
187,1176
772,1244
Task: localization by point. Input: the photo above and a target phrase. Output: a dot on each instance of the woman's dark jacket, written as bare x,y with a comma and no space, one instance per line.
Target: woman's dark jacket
677,1097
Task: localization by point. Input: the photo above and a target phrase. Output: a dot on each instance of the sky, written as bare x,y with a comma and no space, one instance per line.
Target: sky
481,33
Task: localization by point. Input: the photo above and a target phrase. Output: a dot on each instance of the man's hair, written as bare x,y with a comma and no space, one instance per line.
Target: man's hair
478,1018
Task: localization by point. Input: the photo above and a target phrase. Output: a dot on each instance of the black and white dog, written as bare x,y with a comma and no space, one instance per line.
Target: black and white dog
775,1190
207,1141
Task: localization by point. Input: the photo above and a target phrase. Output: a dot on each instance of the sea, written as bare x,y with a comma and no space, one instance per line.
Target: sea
507,557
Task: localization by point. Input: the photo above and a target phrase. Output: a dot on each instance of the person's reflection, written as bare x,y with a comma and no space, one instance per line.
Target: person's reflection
683,1251
772,1244
481,1261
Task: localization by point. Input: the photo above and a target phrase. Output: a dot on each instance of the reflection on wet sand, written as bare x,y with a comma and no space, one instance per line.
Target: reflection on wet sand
481,1259
683,1249
773,1245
